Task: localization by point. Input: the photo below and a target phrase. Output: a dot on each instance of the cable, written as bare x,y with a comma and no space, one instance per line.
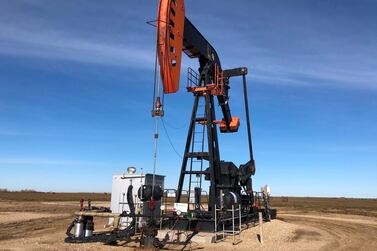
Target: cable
155,77
156,86
169,139
173,127
155,155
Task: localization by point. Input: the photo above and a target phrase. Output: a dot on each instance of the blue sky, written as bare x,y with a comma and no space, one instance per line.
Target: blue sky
76,81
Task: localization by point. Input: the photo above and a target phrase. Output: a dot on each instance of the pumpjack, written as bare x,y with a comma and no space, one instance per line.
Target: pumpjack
229,184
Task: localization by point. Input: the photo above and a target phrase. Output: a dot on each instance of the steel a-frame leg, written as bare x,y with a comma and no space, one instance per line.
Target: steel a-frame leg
213,156
187,148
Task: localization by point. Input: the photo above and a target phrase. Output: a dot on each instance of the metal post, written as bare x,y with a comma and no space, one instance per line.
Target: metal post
136,224
234,237
215,224
223,228
213,154
240,220
260,227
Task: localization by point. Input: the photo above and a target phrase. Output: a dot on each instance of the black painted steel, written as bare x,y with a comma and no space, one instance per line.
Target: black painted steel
247,117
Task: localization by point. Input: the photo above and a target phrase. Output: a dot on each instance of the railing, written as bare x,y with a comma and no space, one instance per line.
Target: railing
221,219
192,77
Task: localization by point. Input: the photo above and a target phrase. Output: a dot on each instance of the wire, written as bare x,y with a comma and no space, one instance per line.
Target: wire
156,85
154,80
173,127
155,155
169,139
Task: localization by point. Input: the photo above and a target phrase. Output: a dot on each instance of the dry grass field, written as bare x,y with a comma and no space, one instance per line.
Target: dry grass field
366,207
37,221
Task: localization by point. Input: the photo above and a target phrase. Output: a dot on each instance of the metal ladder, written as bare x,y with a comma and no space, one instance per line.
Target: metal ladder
196,162
196,154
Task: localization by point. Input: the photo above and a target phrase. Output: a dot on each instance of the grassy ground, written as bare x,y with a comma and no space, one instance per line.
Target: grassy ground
367,207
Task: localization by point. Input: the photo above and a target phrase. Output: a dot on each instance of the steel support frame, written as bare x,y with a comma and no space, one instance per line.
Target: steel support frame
212,139
213,150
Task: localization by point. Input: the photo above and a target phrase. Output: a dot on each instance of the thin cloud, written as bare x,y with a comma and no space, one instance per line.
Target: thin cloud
48,44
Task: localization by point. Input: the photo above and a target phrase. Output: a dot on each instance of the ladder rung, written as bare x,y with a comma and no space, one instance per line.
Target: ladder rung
198,155
196,172
224,186
200,119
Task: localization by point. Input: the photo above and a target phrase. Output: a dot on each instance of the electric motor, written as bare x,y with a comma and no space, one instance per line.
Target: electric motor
145,193
231,199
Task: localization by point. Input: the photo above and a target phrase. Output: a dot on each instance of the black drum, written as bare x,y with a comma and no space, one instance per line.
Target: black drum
231,199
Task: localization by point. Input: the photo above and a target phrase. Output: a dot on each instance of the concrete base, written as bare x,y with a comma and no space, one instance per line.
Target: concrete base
201,237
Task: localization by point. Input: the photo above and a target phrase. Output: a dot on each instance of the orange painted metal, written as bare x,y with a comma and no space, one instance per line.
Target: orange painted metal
217,88
233,126
170,28
213,89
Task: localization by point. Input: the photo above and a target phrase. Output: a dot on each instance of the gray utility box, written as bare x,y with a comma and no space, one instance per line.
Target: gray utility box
119,202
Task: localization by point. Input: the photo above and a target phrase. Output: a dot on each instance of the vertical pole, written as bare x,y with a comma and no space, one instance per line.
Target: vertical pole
211,148
215,224
248,129
201,161
240,220
260,228
234,236
223,220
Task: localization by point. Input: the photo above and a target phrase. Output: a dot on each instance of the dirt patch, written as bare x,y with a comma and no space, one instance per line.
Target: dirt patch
8,217
42,226
351,219
277,235
29,228
339,232
302,234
